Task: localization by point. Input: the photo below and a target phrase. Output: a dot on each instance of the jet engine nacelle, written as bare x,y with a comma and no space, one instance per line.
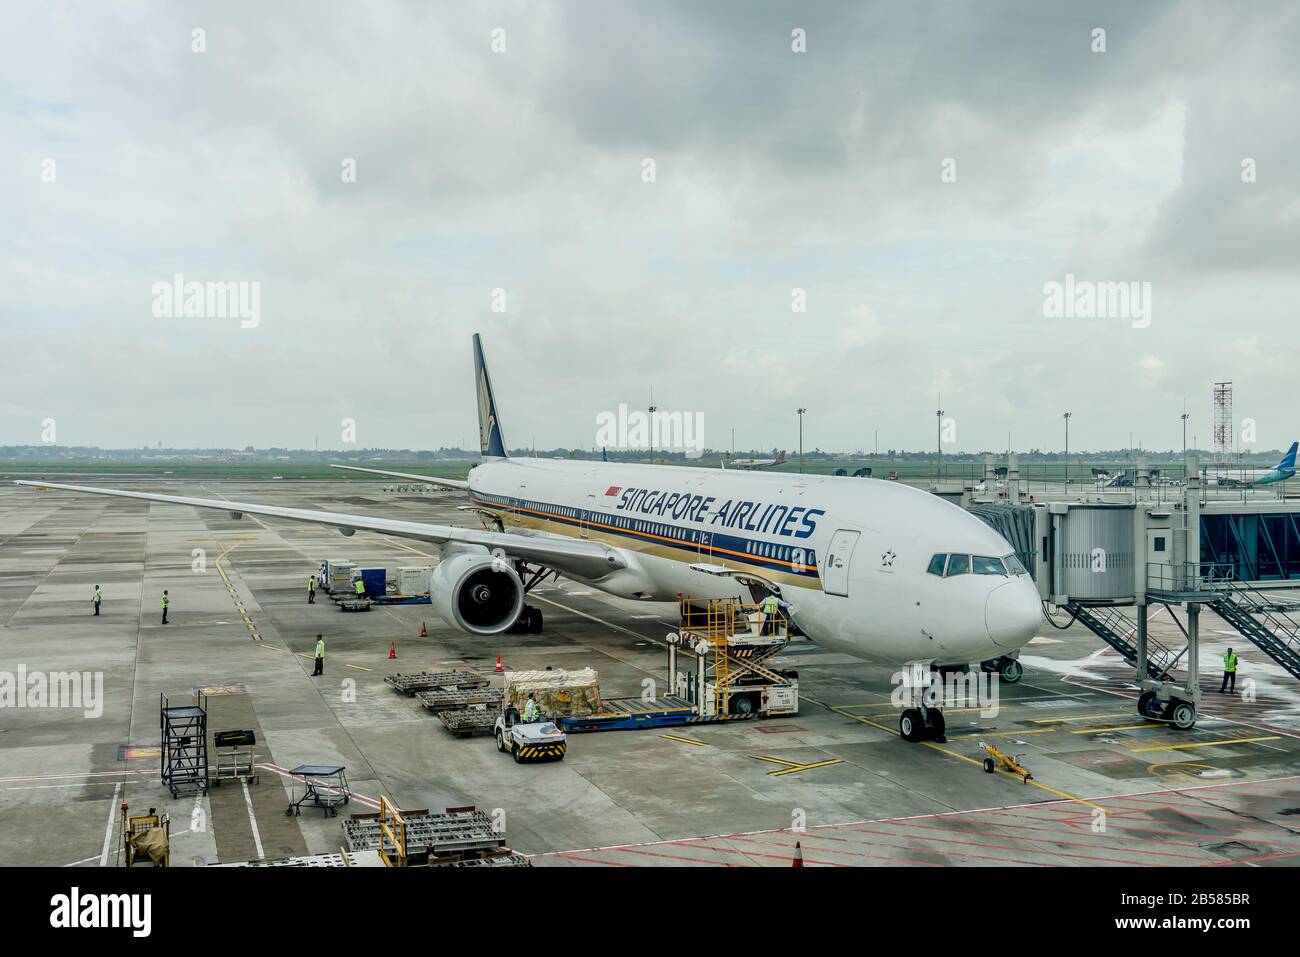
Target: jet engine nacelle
477,593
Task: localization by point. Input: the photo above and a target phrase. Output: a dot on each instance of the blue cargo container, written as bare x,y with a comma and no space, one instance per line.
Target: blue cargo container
373,579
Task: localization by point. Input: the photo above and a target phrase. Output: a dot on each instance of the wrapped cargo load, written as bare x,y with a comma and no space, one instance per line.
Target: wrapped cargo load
557,692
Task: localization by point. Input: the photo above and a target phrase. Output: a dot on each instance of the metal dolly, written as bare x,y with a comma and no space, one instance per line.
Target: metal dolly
324,785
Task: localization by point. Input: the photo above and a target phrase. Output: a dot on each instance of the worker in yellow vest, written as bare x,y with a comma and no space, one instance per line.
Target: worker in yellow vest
165,602
1229,672
360,588
311,590
96,598
320,657
771,614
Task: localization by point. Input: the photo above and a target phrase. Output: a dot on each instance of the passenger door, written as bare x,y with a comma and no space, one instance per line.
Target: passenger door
835,570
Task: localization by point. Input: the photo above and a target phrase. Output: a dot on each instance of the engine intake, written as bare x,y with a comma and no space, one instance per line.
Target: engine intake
477,593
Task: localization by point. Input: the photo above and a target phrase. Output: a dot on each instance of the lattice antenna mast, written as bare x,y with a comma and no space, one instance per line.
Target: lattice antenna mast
1223,426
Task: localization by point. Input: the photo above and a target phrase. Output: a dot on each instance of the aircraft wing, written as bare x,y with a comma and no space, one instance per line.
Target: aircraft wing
582,558
449,483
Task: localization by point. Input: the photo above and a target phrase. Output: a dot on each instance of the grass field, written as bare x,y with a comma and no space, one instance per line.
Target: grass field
968,472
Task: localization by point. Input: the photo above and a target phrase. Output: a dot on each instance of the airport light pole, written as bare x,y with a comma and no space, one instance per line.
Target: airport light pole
801,412
938,445
653,410
1066,416
1185,417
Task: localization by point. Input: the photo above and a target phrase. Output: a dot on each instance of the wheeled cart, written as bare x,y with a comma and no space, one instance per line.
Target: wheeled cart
324,786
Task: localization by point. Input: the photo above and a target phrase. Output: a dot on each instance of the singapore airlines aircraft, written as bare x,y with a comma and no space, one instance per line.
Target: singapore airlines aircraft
878,570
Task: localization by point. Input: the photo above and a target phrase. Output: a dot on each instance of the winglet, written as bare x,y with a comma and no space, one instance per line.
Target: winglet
491,442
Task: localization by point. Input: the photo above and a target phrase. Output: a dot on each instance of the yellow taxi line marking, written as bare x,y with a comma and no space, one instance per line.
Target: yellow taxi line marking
304,655
1004,734
793,767
1081,717
1205,744
673,737
348,664
1122,727
804,767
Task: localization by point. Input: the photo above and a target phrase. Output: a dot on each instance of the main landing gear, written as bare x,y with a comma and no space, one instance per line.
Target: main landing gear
529,621
921,724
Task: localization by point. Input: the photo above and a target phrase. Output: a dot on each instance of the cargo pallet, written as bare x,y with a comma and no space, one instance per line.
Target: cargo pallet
402,600
463,724
457,699
456,829
629,714
425,680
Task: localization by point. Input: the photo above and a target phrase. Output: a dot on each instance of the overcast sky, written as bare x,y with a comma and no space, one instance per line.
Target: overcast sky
129,157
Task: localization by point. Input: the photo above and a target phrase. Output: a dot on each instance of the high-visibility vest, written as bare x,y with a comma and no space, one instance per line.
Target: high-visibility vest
320,648
164,601
311,584
770,605
530,710
1230,662
97,597
361,588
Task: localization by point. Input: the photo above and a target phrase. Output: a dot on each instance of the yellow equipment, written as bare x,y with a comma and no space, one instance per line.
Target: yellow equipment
996,759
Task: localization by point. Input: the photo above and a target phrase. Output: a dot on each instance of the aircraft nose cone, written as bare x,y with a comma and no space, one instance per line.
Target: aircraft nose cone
1012,613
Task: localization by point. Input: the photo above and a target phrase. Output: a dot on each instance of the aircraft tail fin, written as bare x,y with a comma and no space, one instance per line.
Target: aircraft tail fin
780,457
1288,460
492,443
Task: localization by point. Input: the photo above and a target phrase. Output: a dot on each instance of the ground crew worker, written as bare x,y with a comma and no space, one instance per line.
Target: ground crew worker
165,602
1229,672
530,709
311,590
360,588
96,598
770,613
320,657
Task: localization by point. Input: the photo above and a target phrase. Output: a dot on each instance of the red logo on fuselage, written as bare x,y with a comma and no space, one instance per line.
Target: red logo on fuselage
613,490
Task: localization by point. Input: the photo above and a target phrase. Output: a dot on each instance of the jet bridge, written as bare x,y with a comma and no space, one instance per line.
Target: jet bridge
1093,559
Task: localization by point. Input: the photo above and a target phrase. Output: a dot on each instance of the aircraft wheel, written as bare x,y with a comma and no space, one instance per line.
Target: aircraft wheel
536,621
1011,671
910,725
1184,716
1148,706
937,725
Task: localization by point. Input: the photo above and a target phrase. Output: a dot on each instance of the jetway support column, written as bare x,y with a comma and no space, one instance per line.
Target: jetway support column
1141,638
1193,687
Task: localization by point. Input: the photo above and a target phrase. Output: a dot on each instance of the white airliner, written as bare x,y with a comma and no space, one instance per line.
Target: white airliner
755,464
878,570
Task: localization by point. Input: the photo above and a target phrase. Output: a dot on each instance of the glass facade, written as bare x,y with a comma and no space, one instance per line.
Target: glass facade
1256,547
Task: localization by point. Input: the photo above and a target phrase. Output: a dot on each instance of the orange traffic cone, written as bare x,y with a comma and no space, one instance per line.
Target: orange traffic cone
499,668
392,650
798,856
423,632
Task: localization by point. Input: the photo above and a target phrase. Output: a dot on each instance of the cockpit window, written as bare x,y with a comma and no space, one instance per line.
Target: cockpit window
987,565
958,565
936,565
1014,565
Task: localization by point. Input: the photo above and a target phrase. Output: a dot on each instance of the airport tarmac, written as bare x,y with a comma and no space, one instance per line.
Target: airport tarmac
1107,787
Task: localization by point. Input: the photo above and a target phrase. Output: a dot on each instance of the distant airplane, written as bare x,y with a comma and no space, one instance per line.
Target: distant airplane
753,465
878,570
1226,478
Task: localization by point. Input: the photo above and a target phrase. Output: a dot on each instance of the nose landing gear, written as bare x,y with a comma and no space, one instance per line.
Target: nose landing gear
921,724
